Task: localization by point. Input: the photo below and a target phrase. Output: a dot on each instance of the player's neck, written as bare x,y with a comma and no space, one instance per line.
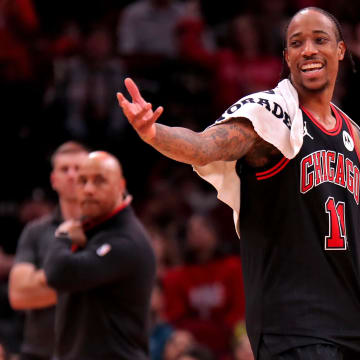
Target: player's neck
70,209
319,107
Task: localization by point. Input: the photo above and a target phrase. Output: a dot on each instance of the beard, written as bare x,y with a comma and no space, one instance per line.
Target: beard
303,86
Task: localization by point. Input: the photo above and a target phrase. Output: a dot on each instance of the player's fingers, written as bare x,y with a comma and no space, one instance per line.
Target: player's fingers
134,91
126,106
157,113
141,115
122,99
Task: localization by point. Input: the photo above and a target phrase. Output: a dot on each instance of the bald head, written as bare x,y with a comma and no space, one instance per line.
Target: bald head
105,160
101,184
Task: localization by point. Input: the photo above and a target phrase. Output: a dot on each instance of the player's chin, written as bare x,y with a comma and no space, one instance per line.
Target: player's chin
315,85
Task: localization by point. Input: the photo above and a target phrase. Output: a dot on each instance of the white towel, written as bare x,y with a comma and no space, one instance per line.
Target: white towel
277,118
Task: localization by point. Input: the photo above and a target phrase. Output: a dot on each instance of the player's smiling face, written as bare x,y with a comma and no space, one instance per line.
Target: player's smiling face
313,51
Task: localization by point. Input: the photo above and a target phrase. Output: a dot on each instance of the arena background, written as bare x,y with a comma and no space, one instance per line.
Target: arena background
47,50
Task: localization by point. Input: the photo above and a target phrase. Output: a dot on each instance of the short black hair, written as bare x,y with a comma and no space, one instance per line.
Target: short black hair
338,33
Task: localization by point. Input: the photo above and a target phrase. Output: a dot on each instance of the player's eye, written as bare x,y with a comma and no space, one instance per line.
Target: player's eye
321,40
295,43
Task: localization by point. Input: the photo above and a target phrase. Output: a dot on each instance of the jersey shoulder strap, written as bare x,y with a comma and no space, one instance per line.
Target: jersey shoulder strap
356,128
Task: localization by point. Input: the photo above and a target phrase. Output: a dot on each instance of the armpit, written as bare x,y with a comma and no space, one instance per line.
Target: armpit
256,151
261,153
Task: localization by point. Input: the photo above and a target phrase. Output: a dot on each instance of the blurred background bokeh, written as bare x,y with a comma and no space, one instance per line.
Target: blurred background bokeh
61,64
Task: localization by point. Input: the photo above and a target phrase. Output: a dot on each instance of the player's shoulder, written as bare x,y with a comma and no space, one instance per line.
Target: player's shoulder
355,128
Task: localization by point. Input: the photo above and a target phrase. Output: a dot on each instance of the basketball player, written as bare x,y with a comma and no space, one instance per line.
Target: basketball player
103,270
299,218
28,289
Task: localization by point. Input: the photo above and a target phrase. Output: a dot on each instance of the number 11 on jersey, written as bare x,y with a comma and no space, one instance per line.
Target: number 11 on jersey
336,240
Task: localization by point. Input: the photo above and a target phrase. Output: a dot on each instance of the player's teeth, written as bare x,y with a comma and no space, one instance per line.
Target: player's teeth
310,67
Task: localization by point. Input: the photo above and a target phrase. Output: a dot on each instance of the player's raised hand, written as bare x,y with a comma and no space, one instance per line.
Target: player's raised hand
139,112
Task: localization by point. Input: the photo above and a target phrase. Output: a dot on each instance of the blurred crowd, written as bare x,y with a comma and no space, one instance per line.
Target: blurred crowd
61,65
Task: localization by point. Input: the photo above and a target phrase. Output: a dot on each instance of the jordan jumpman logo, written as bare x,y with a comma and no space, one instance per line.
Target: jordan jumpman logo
306,132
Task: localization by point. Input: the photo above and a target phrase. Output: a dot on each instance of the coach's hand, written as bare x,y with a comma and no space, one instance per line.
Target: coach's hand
139,112
73,230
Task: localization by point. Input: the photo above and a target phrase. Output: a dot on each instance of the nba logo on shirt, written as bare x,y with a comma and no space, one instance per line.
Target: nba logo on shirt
103,249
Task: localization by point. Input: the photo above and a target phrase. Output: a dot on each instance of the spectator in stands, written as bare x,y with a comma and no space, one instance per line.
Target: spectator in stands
147,27
241,347
161,329
166,250
243,66
85,89
18,23
147,41
179,342
205,296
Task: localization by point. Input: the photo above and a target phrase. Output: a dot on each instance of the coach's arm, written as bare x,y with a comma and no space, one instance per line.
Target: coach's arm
28,288
85,269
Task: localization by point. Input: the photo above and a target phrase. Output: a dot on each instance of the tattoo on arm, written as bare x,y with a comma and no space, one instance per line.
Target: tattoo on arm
228,141
233,139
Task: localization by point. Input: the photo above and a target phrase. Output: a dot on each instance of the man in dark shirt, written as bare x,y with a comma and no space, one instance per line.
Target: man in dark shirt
28,289
103,269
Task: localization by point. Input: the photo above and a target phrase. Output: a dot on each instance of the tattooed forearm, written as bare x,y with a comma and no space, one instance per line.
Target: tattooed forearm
177,143
228,141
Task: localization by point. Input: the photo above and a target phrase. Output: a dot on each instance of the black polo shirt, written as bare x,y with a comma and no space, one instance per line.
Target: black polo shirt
104,291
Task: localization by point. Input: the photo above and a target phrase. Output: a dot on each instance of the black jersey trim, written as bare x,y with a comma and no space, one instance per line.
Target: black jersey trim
332,132
274,170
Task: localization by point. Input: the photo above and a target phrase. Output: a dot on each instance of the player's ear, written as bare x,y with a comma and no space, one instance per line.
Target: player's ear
286,56
341,50
122,184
